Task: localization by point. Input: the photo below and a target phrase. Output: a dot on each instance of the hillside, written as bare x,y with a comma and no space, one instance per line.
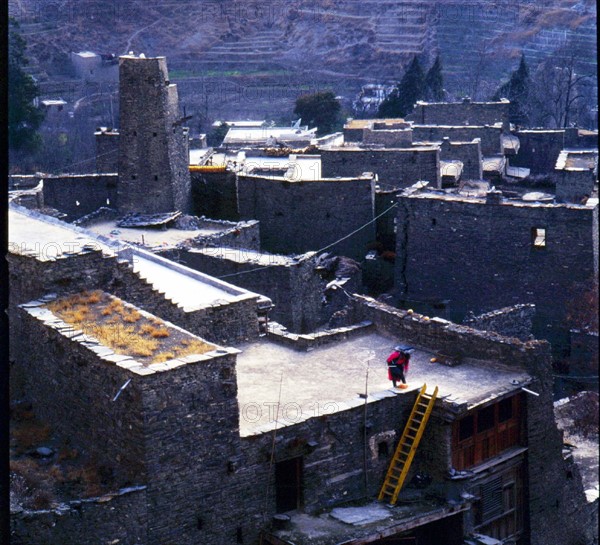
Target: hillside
253,58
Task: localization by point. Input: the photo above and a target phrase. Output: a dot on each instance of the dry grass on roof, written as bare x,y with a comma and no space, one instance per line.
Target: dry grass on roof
124,329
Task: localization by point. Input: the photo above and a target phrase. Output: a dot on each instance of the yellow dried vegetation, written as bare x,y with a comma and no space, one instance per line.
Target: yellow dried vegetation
122,328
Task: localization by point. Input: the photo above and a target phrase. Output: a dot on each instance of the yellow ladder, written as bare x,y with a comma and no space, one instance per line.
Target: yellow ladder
400,464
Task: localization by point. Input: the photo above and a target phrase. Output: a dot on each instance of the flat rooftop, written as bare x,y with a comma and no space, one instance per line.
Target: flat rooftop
329,379
577,160
47,238
154,238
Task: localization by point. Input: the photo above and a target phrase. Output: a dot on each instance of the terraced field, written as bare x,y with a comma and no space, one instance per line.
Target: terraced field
252,58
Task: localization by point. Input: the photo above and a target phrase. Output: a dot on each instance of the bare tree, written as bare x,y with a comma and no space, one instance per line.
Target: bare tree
559,92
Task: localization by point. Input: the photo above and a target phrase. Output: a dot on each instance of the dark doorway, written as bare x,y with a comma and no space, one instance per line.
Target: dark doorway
288,484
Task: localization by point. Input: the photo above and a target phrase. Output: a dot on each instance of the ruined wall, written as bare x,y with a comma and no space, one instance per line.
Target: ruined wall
153,145
91,191
469,153
513,321
107,151
465,252
214,195
297,217
96,521
490,135
293,285
394,167
460,113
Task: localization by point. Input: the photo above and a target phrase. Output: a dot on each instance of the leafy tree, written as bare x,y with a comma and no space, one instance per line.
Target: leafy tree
517,91
320,109
402,99
24,117
434,82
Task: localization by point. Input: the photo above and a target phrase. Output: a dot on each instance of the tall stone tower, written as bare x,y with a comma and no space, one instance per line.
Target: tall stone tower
153,144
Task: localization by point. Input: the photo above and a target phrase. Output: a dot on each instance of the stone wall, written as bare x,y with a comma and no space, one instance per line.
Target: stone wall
460,113
388,138
464,251
298,217
574,185
468,153
394,167
80,194
214,195
490,135
107,150
293,285
87,385
153,144
221,322
120,517
513,321
557,507
539,149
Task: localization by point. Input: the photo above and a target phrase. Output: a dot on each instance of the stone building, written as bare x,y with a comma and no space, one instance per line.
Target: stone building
153,143
540,148
397,167
476,250
213,445
292,283
461,113
575,175
307,215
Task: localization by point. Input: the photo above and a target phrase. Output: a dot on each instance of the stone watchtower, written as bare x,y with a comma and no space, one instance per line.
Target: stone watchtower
153,144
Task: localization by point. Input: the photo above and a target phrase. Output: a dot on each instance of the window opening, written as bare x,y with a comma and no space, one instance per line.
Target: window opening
466,428
538,237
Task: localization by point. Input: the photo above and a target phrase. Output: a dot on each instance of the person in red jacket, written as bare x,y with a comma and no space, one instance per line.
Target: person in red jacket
398,362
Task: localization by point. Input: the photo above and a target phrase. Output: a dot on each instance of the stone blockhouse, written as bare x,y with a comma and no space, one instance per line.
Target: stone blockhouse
153,143
291,283
394,167
301,216
469,155
576,174
490,135
479,253
213,456
47,255
461,113
539,148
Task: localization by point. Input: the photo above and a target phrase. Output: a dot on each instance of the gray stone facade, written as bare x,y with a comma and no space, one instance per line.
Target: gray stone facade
298,217
490,135
482,255
468,153
539,148
394,167
460,113
78,195
107,150
293,284
153,144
